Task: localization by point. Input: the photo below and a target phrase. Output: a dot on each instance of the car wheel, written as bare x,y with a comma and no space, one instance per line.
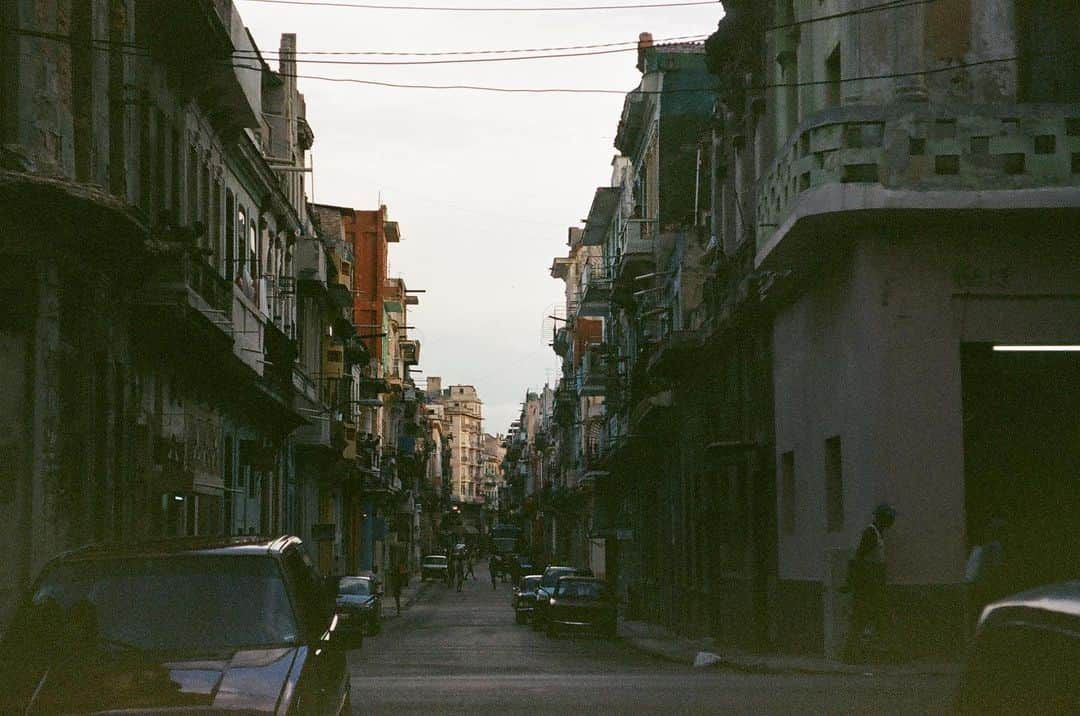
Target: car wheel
519,617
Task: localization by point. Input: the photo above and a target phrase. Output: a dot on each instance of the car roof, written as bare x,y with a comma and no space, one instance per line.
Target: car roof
215,546
364,577
1061,598
580,578
435,556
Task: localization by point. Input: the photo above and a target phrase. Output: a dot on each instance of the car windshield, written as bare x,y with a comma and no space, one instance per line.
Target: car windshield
551,576
580,590
354,587
529,584
190,604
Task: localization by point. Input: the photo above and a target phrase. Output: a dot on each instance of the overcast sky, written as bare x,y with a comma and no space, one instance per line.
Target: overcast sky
484,185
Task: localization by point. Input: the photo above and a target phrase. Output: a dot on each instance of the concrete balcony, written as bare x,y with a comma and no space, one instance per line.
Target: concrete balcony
186,297
869,161
595,289
592,377
636,256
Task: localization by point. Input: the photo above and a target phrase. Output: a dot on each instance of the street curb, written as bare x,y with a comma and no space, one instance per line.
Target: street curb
753,665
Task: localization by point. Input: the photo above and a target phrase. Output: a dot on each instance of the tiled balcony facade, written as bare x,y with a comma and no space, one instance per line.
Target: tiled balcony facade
950,157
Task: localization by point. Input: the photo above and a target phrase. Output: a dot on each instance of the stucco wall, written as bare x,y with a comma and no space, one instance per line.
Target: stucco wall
871,352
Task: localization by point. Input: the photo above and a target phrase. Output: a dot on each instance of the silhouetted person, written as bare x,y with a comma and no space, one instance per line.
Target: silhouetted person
867,579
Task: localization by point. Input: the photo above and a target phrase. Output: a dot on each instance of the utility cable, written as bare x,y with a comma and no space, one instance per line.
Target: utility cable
890,5
585,90
277,54
444,8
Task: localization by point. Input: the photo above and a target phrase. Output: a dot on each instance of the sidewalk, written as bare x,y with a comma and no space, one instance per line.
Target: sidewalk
660,641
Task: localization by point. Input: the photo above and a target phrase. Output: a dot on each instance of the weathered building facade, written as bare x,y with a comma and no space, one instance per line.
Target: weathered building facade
178,351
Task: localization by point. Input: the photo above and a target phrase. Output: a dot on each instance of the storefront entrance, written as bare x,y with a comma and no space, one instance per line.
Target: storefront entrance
1022,458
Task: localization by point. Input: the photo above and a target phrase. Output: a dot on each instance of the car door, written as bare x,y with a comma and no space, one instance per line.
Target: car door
326,673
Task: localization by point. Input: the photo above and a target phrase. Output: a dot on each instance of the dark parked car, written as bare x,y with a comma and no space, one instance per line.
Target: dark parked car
547,586
582,604
435,566
525,598
192,626
1025,657
359,605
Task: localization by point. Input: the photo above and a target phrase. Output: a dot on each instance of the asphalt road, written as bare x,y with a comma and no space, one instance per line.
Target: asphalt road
462,652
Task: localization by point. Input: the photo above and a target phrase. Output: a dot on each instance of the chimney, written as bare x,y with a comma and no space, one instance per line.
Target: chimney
644,42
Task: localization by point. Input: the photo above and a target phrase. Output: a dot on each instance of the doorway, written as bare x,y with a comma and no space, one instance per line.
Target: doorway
1022,458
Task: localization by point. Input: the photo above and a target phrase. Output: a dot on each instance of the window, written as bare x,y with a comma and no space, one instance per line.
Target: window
787,492
832,76
193,200
834,485
228,254
175,177
1049,64
241,232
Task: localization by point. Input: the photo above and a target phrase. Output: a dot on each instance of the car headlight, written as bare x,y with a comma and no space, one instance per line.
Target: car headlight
552,601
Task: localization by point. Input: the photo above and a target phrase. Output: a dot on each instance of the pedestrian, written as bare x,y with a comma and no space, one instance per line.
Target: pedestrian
867,579
469,563
986,572
493,567
401,578
459,571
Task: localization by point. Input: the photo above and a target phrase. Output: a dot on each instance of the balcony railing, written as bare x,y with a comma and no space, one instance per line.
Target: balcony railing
920,157
636,250
595,288
594,373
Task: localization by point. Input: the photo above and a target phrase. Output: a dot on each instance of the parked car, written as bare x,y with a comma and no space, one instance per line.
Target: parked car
524,601
192,625
359,606
1025,655
582,604
547,586
434,566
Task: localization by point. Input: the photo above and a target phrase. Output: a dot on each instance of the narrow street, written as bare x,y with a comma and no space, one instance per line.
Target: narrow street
463,653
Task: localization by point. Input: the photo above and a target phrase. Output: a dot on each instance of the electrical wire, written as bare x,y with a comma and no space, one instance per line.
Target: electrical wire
890,5
445,8
585,90
437,53
515,58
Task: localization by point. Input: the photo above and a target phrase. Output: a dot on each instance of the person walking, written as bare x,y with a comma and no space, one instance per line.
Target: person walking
459,571
493,567
469,559
400,579
867,579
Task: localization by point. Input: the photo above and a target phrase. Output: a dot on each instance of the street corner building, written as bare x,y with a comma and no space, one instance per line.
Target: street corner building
814,285
187,346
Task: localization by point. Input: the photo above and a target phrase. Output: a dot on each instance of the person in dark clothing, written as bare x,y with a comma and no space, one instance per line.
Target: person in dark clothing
399,578
493,567
867,580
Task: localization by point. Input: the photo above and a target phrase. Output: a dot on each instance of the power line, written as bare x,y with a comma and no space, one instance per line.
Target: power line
468,60
586,90
890,5
444,8
437,53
